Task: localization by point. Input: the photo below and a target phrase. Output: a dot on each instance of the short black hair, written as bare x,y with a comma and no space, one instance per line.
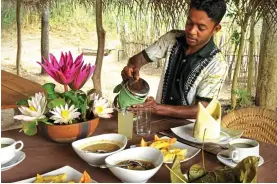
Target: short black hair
214,8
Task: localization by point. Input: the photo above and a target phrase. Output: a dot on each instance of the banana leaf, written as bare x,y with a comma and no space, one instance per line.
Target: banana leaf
244,172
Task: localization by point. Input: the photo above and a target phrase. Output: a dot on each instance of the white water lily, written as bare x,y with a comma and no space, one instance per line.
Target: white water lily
35,110
63,114
101,108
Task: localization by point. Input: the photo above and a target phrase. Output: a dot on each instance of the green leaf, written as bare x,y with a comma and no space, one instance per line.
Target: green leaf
49,88
70,95
83,108
117,88
56,102
209,177
22,102
30,128
45,120
196,172
50,91
176,175
246,170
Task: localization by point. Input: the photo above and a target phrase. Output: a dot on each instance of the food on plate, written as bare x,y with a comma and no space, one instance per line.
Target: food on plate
50,179
208,121
85,178
61,178
170,153
136,165
101,148
165,146
244,172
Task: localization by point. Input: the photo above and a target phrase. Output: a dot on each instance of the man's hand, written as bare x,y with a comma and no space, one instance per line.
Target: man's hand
150,102
130,72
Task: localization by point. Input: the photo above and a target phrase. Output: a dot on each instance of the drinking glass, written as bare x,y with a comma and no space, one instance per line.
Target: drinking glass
143,125
125,123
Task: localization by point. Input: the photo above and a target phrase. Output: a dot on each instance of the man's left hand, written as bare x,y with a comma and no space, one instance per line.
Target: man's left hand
150,102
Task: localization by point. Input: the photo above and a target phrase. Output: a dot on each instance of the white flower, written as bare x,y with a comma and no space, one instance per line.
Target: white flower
101,108
35,110
64,115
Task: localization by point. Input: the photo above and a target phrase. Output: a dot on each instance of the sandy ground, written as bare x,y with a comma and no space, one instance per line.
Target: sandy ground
58,42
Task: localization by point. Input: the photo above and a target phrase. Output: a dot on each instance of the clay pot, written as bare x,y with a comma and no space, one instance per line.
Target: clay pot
68,133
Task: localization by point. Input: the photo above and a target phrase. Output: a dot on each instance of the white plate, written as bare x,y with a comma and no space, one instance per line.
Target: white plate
71,174
19,157
229,162
191,151
186,132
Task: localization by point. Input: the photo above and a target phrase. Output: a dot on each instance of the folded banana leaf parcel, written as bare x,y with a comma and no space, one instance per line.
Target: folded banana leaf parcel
244,172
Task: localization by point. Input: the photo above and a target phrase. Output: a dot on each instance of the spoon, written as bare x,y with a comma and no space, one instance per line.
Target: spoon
224,156
130,162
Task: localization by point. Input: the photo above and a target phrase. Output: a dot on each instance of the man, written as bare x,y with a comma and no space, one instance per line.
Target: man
195,68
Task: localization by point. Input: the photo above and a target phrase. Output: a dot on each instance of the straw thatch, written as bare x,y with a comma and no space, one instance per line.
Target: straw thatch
162,9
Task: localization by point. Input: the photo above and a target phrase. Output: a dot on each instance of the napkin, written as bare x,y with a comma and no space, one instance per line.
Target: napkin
208,119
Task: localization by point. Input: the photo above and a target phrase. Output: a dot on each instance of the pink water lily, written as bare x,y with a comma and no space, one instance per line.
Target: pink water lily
83,75
65,70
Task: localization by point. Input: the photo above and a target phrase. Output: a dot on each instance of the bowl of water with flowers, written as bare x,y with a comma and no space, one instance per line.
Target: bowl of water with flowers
64,116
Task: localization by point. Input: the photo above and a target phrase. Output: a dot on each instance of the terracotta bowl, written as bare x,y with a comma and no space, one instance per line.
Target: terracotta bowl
68,133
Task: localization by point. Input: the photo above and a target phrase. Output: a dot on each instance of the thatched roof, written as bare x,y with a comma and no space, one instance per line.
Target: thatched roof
170,9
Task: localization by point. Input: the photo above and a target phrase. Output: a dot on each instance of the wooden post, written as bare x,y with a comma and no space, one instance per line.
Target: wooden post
18,24
100,50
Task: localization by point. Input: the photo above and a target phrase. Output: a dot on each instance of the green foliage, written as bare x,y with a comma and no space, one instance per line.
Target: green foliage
244,99
30,128
8,17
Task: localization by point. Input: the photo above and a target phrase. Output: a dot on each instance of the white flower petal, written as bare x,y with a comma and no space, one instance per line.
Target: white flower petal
24,118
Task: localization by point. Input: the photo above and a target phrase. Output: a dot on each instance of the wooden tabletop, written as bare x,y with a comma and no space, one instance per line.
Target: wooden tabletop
43,156
15,88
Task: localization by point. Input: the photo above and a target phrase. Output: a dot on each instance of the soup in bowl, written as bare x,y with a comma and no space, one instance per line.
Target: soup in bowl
95,149
142,164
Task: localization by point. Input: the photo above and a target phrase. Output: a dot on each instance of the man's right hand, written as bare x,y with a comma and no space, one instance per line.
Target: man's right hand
130,71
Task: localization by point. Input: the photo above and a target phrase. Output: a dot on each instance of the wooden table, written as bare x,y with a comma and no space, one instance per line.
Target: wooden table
43,156
15,88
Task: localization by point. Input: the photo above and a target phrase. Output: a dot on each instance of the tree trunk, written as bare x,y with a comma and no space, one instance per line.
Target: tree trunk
231,65
44,35
251,62
18,24
238,63
100,50
266,93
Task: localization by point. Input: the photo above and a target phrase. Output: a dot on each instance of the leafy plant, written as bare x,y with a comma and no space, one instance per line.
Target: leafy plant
71,106
243,98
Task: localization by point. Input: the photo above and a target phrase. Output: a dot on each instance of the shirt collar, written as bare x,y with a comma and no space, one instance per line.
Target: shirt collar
203,52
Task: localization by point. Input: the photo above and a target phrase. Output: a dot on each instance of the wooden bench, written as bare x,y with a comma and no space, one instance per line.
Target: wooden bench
15,88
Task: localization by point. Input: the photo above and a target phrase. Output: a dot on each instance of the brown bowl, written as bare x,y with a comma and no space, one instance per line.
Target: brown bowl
68,133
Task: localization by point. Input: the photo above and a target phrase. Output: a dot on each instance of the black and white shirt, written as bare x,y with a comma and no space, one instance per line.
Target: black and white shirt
186,78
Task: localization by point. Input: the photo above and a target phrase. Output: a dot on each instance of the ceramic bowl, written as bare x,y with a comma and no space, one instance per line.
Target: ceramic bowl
96,159
140,153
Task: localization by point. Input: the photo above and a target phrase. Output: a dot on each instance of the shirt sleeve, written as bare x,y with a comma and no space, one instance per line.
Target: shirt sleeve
158,49
211,84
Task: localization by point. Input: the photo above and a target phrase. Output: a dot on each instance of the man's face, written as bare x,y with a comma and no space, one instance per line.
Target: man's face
199,28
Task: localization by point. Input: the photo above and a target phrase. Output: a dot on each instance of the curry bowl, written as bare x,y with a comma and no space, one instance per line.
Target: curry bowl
95,149
146,154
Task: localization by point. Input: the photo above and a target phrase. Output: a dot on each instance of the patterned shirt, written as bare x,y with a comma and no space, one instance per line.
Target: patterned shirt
186,78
